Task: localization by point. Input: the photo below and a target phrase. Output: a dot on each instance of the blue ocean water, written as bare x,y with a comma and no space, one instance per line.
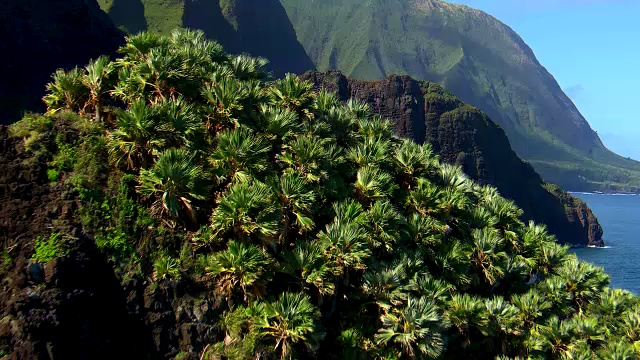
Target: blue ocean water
619,216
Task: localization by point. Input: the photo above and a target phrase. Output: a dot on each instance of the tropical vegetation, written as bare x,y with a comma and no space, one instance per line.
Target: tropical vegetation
479,58
315,231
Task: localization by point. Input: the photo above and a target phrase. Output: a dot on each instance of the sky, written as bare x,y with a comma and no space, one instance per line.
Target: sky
592,48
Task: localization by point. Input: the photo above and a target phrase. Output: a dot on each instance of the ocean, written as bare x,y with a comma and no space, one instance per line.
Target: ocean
619,216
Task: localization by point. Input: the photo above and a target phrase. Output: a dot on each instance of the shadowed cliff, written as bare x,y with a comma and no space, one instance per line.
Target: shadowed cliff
462,134
40,36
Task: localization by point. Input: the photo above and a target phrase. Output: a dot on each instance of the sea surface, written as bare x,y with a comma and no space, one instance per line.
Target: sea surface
619,216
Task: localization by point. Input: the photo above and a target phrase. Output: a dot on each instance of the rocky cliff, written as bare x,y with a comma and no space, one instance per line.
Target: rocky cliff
79,306
462,134
479,59
40,36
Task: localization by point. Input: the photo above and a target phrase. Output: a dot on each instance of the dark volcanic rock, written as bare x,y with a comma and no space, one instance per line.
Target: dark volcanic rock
76,306
40,36
462,134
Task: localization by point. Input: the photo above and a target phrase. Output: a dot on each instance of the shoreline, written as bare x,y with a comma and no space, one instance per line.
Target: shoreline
604,193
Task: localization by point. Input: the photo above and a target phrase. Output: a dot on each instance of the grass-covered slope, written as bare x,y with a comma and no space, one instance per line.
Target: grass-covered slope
462,135
479,59
260,28
247,219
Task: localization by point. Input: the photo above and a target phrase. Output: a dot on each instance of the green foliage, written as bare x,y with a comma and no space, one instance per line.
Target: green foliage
53,175
6,258
315,230
166,267
49,249
31,128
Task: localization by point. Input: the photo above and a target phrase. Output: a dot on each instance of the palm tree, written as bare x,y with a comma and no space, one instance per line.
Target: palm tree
452,262
414,329
249,68
325,101
135,137
413,161
166,267
386,288
501,322
384,223
488,255
66,91
342,123
463,311
310,156
181,125
293,94
244,266
278,124
372,184
425,197
225,98
296,201
532,306
174,181
346,247
618,351
307,262
240,153
584,281
289,321
246,208
96,79
376,125
138,46
437,290
424,230
371,151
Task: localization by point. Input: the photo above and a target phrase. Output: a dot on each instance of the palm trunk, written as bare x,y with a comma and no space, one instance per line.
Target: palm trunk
99,110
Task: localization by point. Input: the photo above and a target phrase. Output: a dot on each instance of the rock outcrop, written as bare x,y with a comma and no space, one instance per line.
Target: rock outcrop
463,135
77,306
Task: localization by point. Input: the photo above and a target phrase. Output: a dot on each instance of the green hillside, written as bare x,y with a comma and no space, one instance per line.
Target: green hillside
474,55
180,206
480,60
260,28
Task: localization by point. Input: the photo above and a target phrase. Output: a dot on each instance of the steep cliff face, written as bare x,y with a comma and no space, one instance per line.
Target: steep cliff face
477,57
40,36
462,134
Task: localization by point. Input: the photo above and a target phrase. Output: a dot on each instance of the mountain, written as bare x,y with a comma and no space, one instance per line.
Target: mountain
478,58
481,60
260,28
248,219
40,36
463,135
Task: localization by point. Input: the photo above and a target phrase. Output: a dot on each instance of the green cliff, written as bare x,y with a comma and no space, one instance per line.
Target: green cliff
260,28
479,59
463,135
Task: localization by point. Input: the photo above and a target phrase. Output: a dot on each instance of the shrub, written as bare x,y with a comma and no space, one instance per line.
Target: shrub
166,267
31,128
47,250
53,175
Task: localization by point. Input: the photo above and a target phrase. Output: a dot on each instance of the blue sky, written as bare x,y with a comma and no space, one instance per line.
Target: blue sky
592,47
